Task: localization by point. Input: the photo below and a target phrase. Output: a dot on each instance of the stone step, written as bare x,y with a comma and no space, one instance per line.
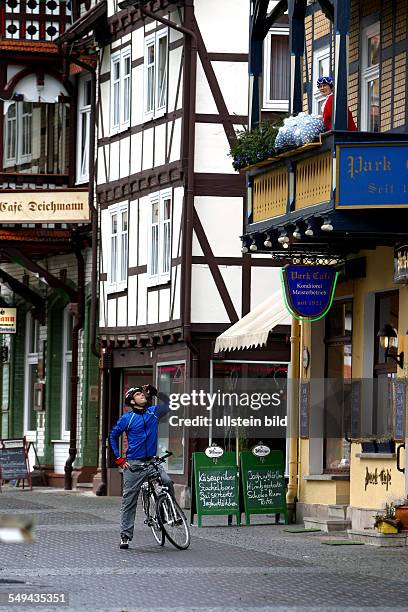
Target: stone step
373,537
338,511
326,524
84,485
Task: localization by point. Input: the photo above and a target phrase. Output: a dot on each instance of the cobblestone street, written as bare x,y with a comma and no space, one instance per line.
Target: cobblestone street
248,568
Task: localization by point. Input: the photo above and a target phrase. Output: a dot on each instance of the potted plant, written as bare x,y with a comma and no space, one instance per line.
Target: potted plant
254,146
385,522
401,513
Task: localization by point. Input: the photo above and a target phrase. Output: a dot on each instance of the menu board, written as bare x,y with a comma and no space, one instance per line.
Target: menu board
215,486
304,410
13,460
263,484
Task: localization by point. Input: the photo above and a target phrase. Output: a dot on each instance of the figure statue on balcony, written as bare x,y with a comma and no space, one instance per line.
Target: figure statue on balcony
325,85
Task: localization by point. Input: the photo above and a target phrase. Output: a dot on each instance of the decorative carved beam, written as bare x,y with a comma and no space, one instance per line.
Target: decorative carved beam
18,257
327,8
277,12
27,294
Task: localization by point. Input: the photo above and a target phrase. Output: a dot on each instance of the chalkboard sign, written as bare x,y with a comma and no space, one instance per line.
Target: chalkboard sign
263,484
215,486
399,404
355,409
13,460
304,410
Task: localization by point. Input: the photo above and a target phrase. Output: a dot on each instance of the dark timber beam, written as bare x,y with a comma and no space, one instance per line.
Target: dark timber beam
297,12
255,60
18,257
27,294
277,12
341,28
327,8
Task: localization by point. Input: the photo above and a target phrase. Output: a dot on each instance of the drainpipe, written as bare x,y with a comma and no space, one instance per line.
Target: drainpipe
74,372
293,417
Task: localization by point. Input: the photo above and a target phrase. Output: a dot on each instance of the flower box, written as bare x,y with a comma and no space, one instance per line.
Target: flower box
401,515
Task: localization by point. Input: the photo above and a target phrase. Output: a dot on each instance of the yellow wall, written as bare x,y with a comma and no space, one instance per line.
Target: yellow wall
379,277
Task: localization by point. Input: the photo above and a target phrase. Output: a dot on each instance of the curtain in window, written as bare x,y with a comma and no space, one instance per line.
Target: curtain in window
280,68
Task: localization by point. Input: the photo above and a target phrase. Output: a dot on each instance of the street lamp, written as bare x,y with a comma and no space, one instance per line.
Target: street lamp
389,339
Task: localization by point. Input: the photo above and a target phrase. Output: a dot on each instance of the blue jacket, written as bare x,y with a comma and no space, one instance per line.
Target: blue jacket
141,427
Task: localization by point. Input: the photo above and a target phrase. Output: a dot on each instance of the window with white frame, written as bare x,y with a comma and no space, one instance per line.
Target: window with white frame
121,74
117,241
32,349
370,79
155,74
321,67
84,125
68,322
159,238
276,70
18,138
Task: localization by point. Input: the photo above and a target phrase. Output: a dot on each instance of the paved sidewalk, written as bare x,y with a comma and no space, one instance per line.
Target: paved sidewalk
259,568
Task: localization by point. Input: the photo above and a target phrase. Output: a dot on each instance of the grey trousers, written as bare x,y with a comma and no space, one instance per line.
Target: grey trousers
132,481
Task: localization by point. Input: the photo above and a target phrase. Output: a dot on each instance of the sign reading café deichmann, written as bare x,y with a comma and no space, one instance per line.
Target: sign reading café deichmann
58,206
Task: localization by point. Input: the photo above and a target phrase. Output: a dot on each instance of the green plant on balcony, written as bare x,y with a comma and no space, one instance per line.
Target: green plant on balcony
254,146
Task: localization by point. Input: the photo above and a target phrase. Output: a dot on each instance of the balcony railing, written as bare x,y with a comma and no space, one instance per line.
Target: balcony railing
306,177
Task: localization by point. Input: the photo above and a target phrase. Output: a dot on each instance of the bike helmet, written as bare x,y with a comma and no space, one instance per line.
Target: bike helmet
325,80
130,393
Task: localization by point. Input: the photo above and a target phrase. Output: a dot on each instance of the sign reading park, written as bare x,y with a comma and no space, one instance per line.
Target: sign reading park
309,290
215,488
8,320
263,484
372,175
58,206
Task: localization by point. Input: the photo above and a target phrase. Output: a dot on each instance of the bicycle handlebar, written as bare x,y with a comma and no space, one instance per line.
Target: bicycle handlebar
153,461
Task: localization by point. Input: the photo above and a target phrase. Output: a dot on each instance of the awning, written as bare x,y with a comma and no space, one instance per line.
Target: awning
253,329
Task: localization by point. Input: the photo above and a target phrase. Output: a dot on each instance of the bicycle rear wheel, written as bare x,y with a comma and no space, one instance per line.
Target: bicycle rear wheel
154,524
173,521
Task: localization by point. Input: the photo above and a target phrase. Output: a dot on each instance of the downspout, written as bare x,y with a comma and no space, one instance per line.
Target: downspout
293,417
189,106
74,372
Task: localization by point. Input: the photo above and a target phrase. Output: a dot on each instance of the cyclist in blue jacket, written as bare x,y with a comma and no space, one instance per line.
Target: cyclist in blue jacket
141,426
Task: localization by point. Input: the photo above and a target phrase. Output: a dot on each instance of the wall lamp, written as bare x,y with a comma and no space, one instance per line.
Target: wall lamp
283,238
244,248
389,339
253,246
296,233
268,242
327,225
309,230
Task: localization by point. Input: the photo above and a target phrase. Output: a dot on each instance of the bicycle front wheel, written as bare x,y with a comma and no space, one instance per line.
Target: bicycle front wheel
173,522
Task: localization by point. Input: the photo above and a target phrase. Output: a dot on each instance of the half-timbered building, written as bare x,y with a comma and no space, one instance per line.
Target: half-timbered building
171,93
49,371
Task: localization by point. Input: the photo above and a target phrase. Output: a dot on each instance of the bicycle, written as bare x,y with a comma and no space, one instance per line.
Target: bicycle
163,514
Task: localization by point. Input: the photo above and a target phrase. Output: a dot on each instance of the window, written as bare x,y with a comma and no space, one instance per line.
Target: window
118,246
84,122
171,379
68,322
31,376
36,138
159,239
19,134
120,90
338,340
321,67
370,79
156,65
276,70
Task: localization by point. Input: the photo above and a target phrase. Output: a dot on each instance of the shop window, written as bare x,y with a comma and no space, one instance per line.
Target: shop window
68,322
338,341
276,70
385,370
155,74
370,79
321,67
84,125
32,350
120,90
36,138
159,238
171,379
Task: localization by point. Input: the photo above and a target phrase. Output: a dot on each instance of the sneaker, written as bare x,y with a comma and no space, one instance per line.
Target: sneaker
124,542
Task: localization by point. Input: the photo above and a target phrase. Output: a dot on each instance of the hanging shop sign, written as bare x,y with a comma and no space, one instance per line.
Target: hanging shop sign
308,290
8,320
401,264
372,175
57,206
